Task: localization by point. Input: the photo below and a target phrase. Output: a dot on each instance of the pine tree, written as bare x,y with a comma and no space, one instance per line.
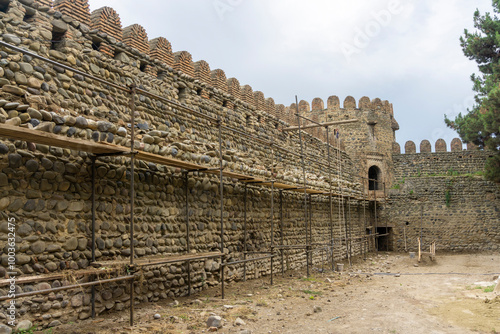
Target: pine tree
481,125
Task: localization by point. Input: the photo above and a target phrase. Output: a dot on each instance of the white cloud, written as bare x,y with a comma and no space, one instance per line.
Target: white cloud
293,47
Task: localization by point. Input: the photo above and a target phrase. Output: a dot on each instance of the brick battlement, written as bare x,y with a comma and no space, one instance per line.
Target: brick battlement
439,146
102,30
156,56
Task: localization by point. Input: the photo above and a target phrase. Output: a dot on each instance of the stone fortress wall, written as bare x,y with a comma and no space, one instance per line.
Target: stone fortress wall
442,196
47,190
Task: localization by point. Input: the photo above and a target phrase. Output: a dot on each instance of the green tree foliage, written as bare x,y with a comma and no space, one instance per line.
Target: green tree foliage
481,125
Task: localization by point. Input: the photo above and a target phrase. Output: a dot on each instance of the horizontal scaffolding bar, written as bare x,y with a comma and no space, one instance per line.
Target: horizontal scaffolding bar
68,287
53,277
249,260
163,260
294,128
291,246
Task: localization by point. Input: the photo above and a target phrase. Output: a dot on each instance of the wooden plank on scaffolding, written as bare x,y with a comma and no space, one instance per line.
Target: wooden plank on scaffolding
157,260
51,139
45,138
310,126
52,277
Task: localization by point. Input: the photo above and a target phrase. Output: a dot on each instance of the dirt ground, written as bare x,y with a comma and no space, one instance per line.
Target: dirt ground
386,293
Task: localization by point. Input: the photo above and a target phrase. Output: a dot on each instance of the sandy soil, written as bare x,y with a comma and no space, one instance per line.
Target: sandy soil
386,293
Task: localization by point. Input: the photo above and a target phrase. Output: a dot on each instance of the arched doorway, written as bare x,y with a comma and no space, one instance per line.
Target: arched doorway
374,176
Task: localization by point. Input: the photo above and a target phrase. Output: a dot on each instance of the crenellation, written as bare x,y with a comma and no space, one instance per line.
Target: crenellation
377,104
472,147
78,10
161,49
456,145
219,80
317,104
365,103
233,88
281,113
387,107
183,62
410,147
247,95
107,20
440,145
349,103
259,100
136,37
333,103
291,113
425,146
270,106
304,107
202,72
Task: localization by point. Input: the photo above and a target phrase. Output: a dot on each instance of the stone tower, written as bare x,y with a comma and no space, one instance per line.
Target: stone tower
369,141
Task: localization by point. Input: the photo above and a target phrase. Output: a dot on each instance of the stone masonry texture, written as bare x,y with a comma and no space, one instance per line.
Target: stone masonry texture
47,190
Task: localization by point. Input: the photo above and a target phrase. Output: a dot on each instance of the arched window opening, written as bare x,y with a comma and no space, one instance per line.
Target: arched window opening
374,178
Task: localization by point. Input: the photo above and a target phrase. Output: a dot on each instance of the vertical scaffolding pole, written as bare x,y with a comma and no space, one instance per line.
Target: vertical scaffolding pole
132,198
221,190
93,158
341,200
304,180
350,232
272,214
330,216
386,228
309,253
365,239
375,212
272,230
245,233
187,233
344,214
281,234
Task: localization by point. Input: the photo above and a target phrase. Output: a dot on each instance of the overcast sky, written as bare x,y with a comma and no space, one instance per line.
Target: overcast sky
404,51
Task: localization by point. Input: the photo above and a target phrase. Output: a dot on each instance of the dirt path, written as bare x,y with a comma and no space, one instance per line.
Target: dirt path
452,295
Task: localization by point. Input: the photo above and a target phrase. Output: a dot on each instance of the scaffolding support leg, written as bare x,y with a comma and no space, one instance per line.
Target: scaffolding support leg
93,158
221,190
304,181
350,233
245,234
330,215
132,199
272,232
186,179
281,235
310,254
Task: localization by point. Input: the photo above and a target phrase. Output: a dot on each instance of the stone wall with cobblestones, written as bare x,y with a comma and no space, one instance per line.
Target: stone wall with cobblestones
47,190
443,197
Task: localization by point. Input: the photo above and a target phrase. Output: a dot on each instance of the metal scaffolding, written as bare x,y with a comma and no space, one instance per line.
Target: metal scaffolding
99,150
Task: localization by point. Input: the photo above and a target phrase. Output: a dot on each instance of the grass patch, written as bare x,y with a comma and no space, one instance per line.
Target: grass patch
309,279
245,313
262,303
310,292
489,288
